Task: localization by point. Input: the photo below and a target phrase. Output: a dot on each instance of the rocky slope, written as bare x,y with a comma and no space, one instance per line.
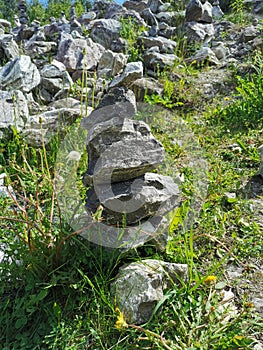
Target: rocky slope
48,73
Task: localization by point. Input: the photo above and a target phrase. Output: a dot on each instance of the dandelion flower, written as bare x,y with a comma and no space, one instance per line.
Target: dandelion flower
249,305
239,337
120,323
210,280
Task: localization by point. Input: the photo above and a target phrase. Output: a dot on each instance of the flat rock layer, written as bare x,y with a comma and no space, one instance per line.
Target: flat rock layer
120,150
135,200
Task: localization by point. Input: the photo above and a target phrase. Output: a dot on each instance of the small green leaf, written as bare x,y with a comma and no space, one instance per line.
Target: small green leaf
21,322
177,219
232,200
41,295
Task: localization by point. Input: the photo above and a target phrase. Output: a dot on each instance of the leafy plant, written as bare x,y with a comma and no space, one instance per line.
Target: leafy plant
169,99
245,111
130,31
178,92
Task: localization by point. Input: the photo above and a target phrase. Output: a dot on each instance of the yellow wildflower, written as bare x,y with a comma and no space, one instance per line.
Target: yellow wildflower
249,305
238,337
210,280
120,323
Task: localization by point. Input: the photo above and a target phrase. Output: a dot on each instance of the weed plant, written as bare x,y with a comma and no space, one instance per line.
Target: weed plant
130,31
178,91
246,112
239,12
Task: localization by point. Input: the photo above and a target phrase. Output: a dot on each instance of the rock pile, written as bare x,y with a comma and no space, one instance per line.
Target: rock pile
198,17
121,152
60,60
42,89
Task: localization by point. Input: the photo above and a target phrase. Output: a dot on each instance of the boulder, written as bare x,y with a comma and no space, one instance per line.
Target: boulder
9,47
199,31
55,69
250,33
207,15
86,17
149,17
111,64
220,50
119,45
217,13
168,17
194,11
121,149
37,49
105,8
205,54
20,74
118,102
146,86
41,127
139,286
138,6
164,45
14,111
25,33
79,54
132,71
53,31
136,200
198,11
154,5
154,230
166,31
54,78
156,60
105,31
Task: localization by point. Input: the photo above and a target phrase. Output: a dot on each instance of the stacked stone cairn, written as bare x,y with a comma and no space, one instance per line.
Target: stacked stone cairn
40,70
121,153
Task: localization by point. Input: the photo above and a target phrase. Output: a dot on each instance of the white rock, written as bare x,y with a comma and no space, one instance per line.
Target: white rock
20,74
139,286
132,72
14,110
